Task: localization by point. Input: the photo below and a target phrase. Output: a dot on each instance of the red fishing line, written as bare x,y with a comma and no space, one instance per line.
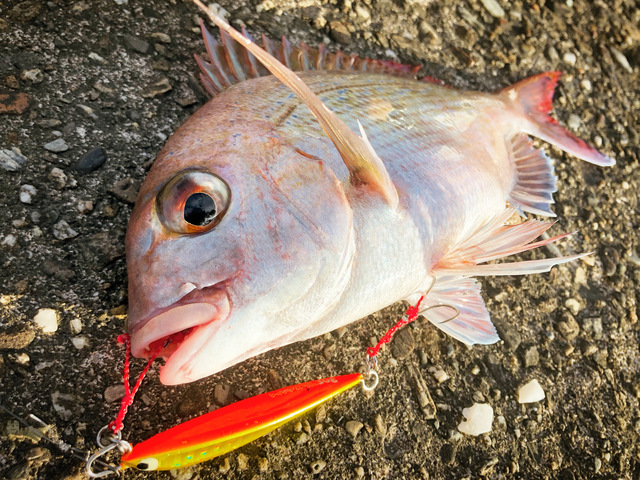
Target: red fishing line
410,316
116,425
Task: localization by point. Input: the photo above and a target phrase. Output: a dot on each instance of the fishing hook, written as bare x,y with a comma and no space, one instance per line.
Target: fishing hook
114,442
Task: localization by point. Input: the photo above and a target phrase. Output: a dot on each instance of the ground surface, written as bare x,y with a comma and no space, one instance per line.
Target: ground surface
73,72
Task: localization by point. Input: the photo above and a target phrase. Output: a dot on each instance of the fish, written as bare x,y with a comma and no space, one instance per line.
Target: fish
292,204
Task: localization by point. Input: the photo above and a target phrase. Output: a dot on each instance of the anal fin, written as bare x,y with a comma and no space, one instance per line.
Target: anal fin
535,181
472,325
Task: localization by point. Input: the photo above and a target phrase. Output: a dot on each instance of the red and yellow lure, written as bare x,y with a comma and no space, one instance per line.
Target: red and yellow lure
223,430
228,428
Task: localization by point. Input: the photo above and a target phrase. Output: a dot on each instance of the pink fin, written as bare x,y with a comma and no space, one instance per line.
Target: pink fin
535,180
473,324
535,95
230,63
494,240
490,241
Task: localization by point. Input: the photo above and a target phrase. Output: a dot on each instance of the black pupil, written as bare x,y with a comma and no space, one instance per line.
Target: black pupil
200,209
142,466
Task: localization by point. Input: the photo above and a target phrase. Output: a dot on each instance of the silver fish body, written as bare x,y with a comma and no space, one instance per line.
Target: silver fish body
302,248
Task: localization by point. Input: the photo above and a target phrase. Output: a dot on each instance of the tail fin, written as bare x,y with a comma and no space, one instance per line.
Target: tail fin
535,95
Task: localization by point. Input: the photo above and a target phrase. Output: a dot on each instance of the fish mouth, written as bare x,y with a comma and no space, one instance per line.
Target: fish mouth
181,330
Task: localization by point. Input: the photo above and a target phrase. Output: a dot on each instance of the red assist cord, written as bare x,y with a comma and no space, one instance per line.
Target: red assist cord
409,316
117,425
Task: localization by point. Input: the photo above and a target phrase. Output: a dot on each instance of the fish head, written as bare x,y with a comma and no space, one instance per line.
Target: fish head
238,243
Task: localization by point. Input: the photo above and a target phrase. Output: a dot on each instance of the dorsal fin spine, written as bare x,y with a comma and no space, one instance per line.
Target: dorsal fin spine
228,64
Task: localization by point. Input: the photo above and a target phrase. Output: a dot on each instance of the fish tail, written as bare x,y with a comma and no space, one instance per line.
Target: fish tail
535,95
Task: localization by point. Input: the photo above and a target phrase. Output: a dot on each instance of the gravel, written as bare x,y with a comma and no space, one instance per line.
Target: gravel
98,91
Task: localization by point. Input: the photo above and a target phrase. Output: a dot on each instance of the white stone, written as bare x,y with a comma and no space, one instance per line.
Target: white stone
62,231
85,206
75,325
479,418
439,374
46,320
9,241
27,192
80,342
570,58
57,146
12,160
586,85
493,8
23,359
574,121
573,305
531,392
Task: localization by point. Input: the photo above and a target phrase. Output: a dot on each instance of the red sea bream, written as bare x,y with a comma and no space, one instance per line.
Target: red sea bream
275,214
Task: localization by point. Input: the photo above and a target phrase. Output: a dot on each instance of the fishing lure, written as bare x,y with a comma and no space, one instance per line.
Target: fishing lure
228,428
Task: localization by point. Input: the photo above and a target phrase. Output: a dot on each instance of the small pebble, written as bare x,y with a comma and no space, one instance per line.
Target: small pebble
340,32
531,392
574,121
570,58
439,374
75,325
318,466
92,160
531,357
57,146
85,206
586,85
34,75
57,176
158,88
27,192
221,394
225,466
479,418
161,37
46,320
97,58
23,359
621,59
573,305
9,241
353,427
136,44
63,231
114,393
243,461
80,342
493,7
12,160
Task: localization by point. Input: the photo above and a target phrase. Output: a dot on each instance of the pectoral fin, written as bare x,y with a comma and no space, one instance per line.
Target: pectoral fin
365,167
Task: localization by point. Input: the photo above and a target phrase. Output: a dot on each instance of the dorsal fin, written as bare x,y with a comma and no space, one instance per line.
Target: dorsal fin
366,169
230,63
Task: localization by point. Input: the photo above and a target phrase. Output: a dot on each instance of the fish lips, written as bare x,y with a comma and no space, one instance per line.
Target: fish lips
198,315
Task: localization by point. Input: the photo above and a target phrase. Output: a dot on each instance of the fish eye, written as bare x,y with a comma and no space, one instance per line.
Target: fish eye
148,464
193,201
200,209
